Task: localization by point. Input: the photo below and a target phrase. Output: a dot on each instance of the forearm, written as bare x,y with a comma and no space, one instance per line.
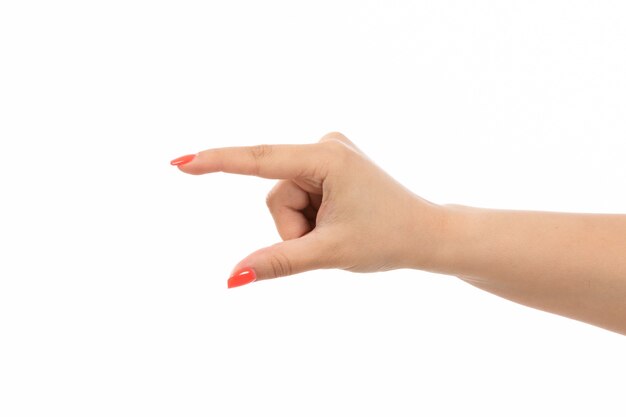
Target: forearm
566,263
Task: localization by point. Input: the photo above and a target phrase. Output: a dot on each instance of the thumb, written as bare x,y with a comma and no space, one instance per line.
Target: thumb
281,259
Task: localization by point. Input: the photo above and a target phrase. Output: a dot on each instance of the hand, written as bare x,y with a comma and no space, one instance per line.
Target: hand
333,207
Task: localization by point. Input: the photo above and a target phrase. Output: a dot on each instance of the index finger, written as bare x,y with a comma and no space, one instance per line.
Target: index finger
267,161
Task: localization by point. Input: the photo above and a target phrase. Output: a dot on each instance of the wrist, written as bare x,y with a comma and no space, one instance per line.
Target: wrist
450,238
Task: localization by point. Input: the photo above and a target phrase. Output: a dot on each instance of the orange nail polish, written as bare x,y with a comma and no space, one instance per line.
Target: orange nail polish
242,277
183,160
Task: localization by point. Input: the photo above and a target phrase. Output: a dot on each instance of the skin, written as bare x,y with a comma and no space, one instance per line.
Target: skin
334,208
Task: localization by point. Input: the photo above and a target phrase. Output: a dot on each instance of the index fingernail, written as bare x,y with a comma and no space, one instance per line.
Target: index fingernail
183,159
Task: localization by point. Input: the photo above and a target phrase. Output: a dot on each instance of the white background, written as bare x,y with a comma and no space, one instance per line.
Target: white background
113,265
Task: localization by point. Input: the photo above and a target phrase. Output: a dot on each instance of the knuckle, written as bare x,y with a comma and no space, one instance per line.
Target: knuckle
333,136
333,146
260,151
337,151
258,154
341,138
273,197
281,265
269,199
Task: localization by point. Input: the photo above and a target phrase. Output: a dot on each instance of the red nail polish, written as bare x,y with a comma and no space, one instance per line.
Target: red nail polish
183,160
242,277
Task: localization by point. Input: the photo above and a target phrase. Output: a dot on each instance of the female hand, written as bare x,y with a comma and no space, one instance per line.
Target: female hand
333,208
